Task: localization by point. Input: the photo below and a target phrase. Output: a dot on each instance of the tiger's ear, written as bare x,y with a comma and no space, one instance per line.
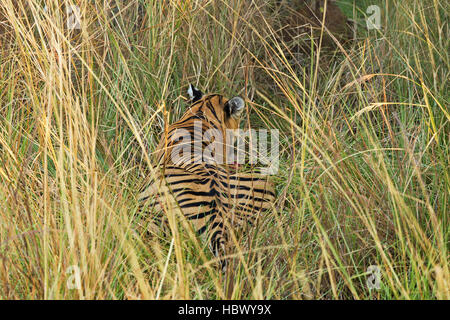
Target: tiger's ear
234,107
194,93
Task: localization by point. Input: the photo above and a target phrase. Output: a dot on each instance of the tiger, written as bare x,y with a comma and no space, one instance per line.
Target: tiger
212,195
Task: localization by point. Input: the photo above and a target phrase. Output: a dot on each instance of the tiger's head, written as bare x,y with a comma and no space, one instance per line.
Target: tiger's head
210,123
226,112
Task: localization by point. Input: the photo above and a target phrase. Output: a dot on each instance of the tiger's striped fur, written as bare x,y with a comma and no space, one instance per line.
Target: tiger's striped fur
210,195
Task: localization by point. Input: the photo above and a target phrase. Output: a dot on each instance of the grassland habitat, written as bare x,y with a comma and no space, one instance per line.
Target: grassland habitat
357,89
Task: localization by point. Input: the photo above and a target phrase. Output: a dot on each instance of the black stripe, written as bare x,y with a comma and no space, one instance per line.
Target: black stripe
196,204
201,215
211,108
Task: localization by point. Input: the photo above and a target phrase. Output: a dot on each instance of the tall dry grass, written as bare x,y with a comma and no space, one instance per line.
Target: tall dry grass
364,173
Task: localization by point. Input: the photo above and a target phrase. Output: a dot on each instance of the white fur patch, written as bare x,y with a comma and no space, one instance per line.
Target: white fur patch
190,91
238,106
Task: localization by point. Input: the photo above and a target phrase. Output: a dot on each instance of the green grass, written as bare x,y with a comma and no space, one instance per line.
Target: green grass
364,151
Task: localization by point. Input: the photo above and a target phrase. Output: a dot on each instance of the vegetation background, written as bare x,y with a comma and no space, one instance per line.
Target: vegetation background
364,130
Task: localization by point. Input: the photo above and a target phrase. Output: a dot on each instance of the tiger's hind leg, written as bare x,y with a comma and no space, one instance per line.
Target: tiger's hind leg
217,244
